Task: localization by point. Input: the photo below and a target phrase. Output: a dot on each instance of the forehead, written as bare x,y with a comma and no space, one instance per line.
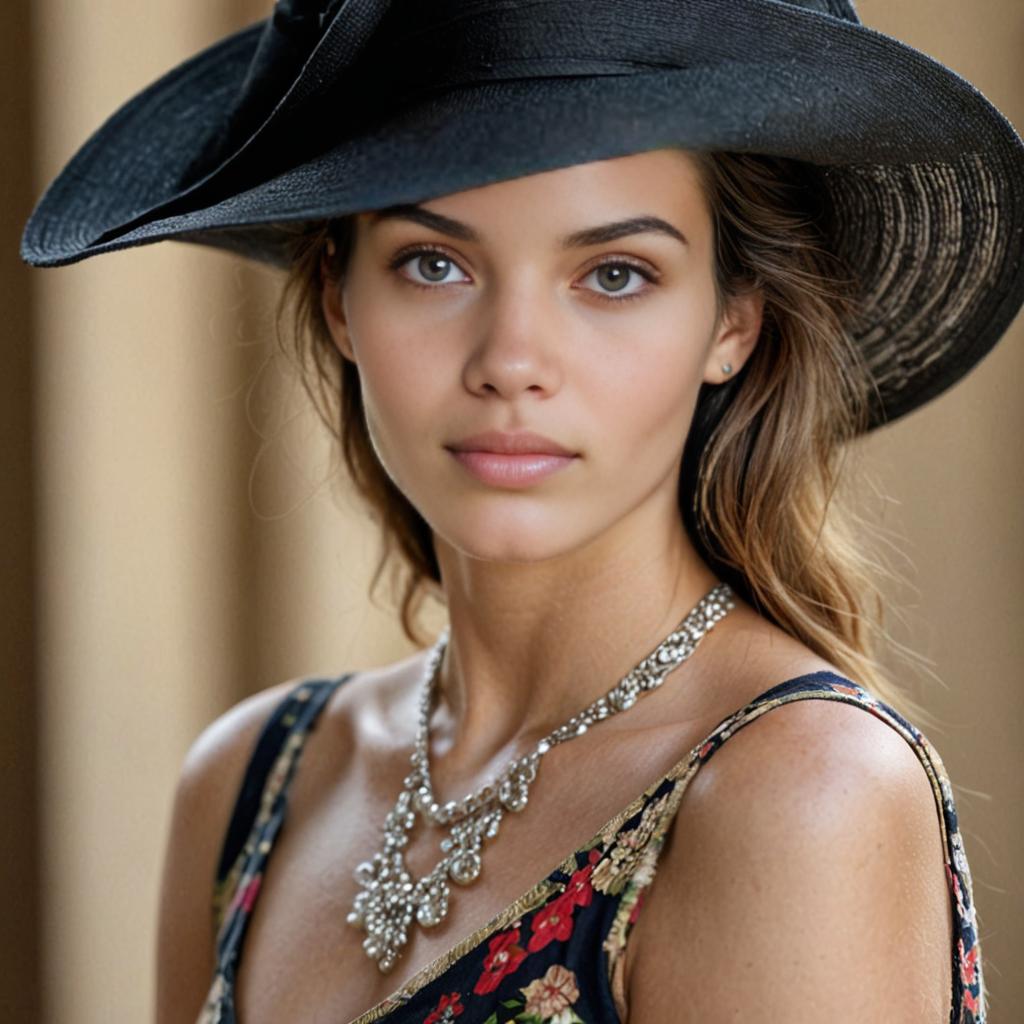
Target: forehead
665,183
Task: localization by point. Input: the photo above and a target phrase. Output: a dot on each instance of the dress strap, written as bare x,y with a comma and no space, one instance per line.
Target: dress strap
969,995
261,803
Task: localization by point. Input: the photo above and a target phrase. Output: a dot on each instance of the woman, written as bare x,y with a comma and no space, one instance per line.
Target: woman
594,373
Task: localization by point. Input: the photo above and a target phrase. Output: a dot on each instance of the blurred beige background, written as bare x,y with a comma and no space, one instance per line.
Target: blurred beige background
171,544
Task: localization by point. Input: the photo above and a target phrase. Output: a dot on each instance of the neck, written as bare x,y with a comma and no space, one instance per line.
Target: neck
533,643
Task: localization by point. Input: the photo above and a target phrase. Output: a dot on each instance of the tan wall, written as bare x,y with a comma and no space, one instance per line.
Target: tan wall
183,561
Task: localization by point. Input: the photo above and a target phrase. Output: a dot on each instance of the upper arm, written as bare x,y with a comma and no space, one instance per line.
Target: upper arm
804,881
204,797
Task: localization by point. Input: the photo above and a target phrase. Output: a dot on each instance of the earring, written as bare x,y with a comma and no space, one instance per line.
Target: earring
727,368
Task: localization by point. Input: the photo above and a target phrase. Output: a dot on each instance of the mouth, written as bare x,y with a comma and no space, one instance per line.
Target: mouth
511,470
523,442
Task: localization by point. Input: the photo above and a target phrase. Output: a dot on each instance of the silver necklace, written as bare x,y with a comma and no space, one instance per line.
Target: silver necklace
390,900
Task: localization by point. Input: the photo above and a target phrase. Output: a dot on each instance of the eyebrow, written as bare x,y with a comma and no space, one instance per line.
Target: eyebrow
597,235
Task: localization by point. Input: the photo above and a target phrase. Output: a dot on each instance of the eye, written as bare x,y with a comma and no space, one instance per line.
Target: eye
615,274
433,265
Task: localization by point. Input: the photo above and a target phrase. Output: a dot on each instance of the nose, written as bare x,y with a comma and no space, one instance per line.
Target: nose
516,347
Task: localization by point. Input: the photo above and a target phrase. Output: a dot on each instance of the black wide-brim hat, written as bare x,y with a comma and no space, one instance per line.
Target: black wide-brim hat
331,108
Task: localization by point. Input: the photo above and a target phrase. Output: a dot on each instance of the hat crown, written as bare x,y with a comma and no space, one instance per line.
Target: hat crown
314,42
299,30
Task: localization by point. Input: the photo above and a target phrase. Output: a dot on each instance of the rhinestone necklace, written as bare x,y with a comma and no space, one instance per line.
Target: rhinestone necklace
391,900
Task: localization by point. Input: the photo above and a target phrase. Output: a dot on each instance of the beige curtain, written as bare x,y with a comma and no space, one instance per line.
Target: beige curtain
174,542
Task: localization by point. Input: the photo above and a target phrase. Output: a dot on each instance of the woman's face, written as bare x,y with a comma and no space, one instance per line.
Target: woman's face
518,306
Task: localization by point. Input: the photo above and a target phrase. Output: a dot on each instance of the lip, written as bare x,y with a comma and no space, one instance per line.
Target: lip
522,442
515,471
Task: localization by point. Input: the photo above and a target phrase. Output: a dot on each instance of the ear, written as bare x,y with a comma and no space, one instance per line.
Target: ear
332,304
735,336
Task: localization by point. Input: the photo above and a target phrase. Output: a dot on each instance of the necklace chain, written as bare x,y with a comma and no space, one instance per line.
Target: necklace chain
390,900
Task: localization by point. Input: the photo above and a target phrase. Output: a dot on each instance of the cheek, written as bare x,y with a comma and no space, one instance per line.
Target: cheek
394,382
398,371
647,388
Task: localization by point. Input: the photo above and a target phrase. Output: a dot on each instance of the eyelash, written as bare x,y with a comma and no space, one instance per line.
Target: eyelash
403,257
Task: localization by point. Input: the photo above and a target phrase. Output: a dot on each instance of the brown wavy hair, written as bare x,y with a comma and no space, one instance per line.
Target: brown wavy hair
760,485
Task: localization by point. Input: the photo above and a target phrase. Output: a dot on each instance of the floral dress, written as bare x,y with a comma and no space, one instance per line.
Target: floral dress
555,955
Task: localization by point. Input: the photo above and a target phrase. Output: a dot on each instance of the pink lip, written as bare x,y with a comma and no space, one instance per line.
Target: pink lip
522,442
511,470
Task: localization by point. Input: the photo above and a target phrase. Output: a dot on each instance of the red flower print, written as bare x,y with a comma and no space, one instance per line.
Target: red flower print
249,893
552,923
447,1009
579,887
245,895
704,750
959,893
503,957
968,963
970,1002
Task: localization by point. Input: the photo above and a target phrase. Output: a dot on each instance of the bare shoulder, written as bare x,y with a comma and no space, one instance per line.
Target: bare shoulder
214,764
804,881
229,738
207,786
363,707
362,715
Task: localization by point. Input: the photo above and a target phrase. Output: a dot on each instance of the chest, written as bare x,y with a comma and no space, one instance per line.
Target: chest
302,959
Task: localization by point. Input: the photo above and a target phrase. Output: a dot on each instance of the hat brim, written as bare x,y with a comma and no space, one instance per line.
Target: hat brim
926,176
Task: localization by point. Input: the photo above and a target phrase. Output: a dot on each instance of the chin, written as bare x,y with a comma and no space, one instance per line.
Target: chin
512,544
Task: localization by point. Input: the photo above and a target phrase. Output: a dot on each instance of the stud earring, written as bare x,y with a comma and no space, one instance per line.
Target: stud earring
727,368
